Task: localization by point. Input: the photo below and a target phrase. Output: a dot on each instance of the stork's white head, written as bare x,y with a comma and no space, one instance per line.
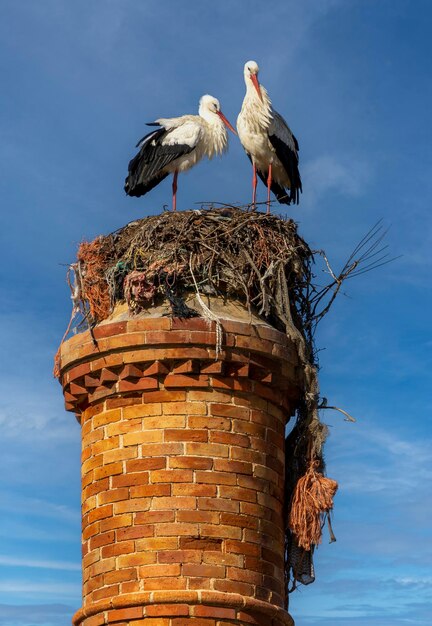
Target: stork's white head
251,70
209,103
209,107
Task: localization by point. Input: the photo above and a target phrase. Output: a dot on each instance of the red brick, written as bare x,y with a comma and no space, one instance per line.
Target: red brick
161,449
108,470
230,410
186,621
218,504
107,330
171,476
157,367
179,556
168,337
142,384
102,540
238,467
190,462
258,565
120,547
213,477
112,403
167,421
204,570
157,543
112,456
148,323
165,570
213,611
187,367
161,582
135,532
185,435
164,396
186,489
213,423
246,576
235,384
177,502
220,530
238,493
230,586
78,371
201,543
243,521
213,367
147,491
122,575
130,613
180,380
137,559
208,517
207,449
163,610
118,521
145,436
209,395
128,480
216,558
176,529
130,371
154,517
129,506
193,323
151,463
100,513
242,547
105,592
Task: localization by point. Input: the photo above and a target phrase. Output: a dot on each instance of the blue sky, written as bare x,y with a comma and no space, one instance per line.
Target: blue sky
352,77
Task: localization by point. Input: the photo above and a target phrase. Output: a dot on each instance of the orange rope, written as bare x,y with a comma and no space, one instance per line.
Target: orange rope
311,503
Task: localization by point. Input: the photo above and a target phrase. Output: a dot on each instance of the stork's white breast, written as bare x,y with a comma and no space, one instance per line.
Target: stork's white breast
255,141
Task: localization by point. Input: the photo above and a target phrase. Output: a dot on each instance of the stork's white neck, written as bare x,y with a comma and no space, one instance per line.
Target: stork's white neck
217,136
256,108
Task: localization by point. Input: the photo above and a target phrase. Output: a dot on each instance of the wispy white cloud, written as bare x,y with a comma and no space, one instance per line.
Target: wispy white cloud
329,174
45,589
35,614
39,564
20,504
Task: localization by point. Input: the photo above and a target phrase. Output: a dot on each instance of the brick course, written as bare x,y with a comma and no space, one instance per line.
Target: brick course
182,471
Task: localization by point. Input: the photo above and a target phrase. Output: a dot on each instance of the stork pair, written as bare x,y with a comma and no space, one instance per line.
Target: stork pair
178,143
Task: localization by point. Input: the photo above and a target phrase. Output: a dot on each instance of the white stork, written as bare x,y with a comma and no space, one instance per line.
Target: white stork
268,142
177,145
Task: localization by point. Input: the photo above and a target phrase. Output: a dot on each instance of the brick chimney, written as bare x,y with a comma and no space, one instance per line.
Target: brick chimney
182,467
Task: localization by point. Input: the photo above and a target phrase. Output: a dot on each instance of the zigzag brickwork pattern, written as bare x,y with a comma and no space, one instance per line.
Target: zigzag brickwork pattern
182,471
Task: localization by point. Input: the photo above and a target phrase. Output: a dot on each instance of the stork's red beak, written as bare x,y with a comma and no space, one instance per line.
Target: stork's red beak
225,121
256,84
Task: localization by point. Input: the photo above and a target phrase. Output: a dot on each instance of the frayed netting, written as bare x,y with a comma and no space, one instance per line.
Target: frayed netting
260,260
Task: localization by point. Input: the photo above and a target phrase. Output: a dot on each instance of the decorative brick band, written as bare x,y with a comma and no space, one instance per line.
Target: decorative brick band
180,608
149,355
182,471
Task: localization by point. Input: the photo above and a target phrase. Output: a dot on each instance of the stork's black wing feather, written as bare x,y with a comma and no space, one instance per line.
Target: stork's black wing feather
145,170
289,159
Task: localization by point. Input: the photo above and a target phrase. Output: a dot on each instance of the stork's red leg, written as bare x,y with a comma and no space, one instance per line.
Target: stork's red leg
254,185
174,191
269,182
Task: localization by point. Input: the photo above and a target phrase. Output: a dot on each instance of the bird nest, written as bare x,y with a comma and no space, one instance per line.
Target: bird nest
261,260
257,258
